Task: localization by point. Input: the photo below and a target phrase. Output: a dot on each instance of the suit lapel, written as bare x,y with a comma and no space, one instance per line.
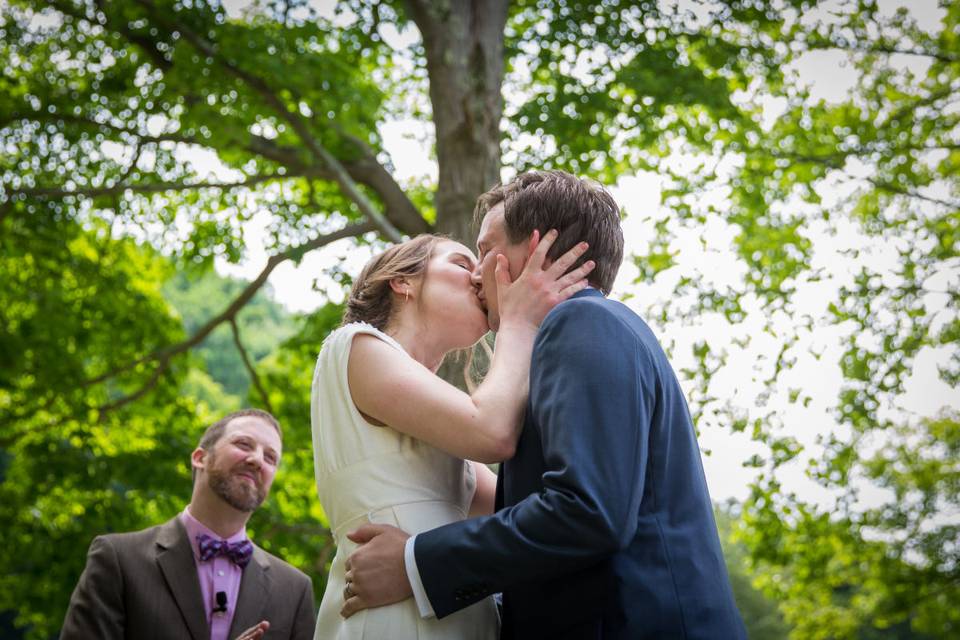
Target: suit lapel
254,594
175,558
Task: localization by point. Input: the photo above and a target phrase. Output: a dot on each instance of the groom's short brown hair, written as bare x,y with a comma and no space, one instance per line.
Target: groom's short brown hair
580,210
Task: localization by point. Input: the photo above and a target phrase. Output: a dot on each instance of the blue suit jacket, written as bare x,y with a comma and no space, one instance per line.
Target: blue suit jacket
604,527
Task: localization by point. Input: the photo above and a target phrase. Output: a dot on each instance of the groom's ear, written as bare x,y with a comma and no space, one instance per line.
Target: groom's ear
530,245
533,242
535,237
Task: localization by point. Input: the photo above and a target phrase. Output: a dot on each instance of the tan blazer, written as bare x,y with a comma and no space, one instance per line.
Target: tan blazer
144,586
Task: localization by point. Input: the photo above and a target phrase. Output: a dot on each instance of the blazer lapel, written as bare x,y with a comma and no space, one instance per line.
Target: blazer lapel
175,557
254,594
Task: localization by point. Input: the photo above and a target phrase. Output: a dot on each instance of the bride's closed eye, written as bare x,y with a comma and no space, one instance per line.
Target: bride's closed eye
461,261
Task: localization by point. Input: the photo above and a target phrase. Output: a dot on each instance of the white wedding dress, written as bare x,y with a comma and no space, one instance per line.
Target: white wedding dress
367,473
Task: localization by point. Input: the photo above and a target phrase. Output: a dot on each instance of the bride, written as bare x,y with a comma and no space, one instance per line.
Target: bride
392,442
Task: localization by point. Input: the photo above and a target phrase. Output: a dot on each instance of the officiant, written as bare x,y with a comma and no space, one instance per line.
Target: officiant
198,575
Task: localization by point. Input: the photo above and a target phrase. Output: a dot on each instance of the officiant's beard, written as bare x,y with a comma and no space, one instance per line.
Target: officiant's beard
234,490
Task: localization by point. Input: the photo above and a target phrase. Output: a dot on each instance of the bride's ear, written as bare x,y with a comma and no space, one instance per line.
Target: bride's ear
402,286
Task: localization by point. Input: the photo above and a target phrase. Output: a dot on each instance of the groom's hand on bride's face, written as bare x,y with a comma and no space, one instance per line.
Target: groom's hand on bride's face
376,573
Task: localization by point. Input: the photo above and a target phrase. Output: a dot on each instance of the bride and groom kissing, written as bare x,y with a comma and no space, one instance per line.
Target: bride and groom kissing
598,524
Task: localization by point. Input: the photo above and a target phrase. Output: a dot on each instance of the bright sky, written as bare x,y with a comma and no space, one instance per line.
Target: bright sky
305,287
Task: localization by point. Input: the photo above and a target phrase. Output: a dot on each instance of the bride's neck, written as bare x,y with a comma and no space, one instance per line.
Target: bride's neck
418,340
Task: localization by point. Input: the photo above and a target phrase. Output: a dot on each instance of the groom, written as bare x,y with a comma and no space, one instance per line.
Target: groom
604,527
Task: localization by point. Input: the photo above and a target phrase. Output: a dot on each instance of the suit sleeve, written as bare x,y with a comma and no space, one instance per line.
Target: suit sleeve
96,607
591,383
305,620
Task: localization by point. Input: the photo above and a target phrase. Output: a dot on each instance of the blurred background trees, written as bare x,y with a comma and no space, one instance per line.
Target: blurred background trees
145,142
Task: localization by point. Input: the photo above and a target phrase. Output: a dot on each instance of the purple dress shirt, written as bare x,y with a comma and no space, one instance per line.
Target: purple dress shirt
217,574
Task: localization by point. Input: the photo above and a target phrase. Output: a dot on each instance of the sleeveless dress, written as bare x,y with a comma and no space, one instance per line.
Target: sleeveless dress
367,473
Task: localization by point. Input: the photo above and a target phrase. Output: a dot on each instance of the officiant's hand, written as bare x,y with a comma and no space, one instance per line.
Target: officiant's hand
376,573
255,632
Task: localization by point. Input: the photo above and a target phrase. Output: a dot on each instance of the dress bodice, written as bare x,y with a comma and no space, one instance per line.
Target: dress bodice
362,469
369,473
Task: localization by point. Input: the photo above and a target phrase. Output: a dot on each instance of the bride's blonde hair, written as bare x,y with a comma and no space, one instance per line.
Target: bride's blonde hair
371,298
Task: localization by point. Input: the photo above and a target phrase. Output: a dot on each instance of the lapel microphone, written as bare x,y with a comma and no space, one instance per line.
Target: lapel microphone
221,602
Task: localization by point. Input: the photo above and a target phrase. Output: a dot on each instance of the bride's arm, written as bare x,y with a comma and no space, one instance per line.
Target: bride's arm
485,495
398,391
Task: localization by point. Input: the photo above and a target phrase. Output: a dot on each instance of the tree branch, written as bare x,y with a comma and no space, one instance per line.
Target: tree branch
830,160
92,192
912,193
249,365
399,210
258,145
238,303
837,160
923,101
372,173
162,366
366,170
44,116
890,50
299,124
133,164
165,356
143,42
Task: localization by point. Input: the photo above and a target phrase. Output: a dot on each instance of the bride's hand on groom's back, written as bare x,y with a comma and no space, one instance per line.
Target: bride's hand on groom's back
376,574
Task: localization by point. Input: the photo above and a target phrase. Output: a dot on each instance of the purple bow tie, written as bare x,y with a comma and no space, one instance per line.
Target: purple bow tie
238,552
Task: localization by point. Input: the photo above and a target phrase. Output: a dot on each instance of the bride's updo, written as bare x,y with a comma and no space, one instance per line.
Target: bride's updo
371,298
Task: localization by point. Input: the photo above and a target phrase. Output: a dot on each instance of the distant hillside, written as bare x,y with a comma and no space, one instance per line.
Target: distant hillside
263,325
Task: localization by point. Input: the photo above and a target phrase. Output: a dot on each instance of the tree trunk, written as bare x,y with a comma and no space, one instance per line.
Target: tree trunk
463,40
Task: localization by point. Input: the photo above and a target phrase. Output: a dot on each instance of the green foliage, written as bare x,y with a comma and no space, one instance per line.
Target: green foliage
128,75
607,88
93,460
293,524
262,325
760,613
838,574
111,218
885,556
881,560
80,460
